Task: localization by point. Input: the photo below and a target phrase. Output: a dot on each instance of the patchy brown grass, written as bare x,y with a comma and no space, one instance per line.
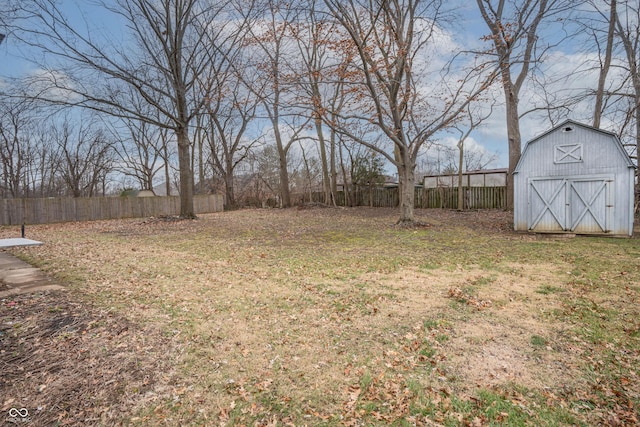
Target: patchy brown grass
324,317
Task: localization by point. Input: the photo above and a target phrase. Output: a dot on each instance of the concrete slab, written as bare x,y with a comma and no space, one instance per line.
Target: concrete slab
18,241
18,277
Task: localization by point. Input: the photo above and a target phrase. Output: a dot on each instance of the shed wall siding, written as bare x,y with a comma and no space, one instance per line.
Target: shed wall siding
579,160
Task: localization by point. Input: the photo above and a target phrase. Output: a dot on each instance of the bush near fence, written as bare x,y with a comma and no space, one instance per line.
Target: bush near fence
52,210
441,197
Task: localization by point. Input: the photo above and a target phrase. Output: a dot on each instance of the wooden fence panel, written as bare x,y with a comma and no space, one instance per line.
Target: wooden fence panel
441,197
473,197
52,210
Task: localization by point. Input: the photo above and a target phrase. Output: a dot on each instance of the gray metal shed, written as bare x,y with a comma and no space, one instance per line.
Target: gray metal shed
574,178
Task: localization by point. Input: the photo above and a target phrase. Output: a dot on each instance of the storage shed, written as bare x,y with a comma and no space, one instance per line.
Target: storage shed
577,179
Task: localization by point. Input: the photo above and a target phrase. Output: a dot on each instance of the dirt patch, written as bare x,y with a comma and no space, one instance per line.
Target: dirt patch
65,362
507,342
500,322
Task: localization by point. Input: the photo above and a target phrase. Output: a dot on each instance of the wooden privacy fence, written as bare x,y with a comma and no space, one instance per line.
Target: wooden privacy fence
441,197
51,210
474,197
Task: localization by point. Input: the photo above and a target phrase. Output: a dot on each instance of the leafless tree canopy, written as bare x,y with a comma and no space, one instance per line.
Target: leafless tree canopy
263,99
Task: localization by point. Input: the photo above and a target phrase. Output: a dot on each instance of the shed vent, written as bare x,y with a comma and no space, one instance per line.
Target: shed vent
567,129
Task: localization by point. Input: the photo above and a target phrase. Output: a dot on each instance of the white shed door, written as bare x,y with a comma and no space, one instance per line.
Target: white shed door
580,205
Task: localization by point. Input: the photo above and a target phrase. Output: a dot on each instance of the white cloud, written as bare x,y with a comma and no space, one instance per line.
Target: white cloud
54,86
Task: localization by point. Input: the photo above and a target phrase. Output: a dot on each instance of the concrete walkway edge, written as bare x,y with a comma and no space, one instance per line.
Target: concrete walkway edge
18,277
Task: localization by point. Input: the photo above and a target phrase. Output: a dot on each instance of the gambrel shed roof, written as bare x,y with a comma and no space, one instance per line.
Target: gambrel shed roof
568,127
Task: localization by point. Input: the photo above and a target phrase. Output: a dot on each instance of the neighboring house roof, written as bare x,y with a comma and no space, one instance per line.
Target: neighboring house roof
473,172
161,189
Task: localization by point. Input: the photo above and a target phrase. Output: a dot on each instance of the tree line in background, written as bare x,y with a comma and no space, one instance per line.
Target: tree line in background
257,98
82,156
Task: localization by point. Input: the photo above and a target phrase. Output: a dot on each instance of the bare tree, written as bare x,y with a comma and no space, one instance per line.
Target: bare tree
8,10
514,27
160,63
310,175
229,131
316,39
16,117
86,157
628,31
615,25
605,65
271,43
474,118
391,40
140,149
45,172
231,110
29,160
267,173
326,77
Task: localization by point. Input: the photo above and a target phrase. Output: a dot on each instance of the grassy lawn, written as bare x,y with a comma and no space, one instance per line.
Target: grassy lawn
332,317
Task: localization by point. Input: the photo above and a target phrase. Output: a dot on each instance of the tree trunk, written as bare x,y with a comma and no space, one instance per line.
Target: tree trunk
637,192
285,194
326,183
193,153
460,184
284,181
604,70
636,84
165,158
346,180
334,170
526,20
167,177
229,190
186,176
406,188
201,177
406,182
629,39
514,138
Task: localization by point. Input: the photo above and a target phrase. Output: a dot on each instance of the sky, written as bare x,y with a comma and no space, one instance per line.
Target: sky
491,136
